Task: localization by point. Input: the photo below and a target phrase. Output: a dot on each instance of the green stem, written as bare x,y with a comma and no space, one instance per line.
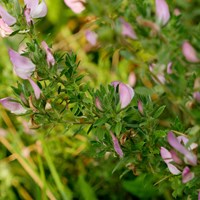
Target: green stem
64,190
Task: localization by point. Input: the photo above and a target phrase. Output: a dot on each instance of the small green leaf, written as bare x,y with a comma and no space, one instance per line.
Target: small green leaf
159,111
118,128
100,121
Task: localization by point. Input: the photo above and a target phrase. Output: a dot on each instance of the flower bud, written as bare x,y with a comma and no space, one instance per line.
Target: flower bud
187,175
189,52
98,104
50,59
127,29
91,37
77,6
36,89
13,106
132,79
140,107
126,93
169,68
162,11
117,147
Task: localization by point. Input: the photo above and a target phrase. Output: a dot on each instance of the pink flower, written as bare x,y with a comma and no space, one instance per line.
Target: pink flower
91,37
126,93
187,175
199,196
167,157
189,157
117,147
172,159
34,10
10,104
127,29
50,59
77,6
162,11
6,20
24,68
189,52
5,30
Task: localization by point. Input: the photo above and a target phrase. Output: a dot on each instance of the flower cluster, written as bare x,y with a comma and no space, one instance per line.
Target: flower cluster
23,66
180,157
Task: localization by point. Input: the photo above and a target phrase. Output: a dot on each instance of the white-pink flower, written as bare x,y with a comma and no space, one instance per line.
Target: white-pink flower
189,52
77,6
126,93
22,66
49,56
34,9
13,106
162,11
6,21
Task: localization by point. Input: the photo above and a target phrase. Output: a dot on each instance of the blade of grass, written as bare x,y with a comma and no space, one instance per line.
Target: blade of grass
64,190
26,167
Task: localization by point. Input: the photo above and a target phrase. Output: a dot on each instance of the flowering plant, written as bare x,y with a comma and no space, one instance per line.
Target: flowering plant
142,128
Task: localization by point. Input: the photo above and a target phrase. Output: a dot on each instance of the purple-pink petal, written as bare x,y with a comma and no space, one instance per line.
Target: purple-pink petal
50,59
5,30
77,6
126,93
173,169
36,88
10,104
166,155
185,141
91,37
140,107
162,11
22,66
199,196
7,18
116,145
189,52
127,29
187,175
175,157
173,141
